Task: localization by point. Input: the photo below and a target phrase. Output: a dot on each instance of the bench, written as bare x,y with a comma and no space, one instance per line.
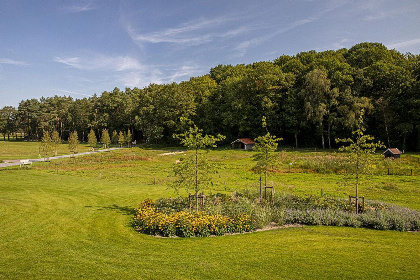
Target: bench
24,162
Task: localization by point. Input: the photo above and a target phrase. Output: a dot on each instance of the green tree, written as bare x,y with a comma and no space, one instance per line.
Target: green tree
46,145
114,137
361,152
121,139
194,172
92,140
128,138
265,147
318,99
55,138
73,142
105,140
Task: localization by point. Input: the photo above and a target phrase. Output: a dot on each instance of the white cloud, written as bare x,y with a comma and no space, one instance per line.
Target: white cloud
82,7
13,62
404,44
341,44
190,33
242,48
72,92
101,62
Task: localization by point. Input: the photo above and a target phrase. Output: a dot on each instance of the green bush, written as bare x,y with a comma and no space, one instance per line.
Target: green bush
242,212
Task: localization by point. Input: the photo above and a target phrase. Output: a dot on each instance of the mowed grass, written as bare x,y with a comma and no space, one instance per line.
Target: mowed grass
71,220
30,150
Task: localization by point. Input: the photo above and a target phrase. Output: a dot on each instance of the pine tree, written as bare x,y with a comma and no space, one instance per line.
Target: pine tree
55,138
121,139
105,140
73,142
92,140
128,138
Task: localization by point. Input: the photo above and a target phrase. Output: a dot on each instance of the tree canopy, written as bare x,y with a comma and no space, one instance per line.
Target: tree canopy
309,98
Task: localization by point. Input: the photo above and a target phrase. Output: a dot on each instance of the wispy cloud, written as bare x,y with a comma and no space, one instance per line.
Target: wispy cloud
340,44
243,47
189,33
72,92
13,62
161,74
100,62
79,8
404,44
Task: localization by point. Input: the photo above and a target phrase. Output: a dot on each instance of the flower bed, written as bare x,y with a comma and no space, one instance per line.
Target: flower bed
150,220
242,212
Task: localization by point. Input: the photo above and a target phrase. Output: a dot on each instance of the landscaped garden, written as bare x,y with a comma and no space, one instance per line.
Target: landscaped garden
74,218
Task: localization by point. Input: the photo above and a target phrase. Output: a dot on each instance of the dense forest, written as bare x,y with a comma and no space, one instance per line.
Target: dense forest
309,99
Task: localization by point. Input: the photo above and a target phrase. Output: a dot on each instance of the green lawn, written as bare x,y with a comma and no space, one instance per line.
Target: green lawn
71,220
30,150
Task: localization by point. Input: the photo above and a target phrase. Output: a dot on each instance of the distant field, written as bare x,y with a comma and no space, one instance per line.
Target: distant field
70,219
29,150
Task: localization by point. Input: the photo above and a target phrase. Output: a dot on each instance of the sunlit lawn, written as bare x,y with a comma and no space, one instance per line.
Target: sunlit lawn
30,150
70,219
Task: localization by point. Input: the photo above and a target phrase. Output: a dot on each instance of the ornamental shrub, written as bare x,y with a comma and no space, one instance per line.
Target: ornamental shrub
242,213
150,220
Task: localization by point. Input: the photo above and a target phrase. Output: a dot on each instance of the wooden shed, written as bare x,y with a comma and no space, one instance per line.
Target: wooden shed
243,143
392,153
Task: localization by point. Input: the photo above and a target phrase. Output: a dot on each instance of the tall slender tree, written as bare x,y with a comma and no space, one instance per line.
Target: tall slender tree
92,140
194,172
73,142
360,152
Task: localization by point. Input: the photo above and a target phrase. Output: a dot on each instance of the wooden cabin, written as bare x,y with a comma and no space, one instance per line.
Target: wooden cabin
243,143
392,153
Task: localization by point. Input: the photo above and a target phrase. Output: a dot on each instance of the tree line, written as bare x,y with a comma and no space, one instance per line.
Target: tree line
308,99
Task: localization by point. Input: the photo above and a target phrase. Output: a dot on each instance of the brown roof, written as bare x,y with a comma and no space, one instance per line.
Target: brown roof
246,141
395,151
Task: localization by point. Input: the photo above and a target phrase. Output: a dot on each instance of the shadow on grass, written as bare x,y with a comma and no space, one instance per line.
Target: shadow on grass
125,210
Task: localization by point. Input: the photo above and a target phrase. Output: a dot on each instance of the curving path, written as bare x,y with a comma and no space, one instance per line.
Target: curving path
17,161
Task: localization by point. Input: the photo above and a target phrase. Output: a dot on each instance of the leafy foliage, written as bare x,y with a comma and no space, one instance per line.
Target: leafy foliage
325,88
194,172
73,142
105,140
46,145
360,151
92,140
265,147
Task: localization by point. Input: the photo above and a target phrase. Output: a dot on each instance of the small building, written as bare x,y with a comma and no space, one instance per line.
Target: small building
392,153
243,143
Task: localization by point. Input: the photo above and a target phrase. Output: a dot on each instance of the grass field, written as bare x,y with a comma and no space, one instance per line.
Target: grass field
71,220
30,150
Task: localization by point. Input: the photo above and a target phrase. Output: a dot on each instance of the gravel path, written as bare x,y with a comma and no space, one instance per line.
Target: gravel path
15,162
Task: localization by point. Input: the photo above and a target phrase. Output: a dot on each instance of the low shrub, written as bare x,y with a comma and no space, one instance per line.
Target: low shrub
243,213
150,220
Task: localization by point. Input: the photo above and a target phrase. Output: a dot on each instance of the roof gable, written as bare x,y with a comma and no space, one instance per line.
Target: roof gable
394,151
246,141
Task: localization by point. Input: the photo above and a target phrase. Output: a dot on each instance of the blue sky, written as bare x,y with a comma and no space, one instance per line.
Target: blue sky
79,48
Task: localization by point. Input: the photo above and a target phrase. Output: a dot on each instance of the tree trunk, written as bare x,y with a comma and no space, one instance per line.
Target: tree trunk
329,135
322,135
296,139
386,130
